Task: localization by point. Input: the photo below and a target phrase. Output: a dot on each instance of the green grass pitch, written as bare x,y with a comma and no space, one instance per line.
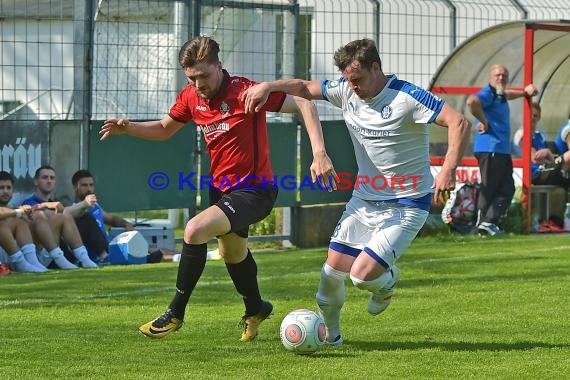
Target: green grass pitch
465,308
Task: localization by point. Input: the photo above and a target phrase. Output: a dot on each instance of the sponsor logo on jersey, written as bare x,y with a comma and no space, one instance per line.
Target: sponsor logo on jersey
216,127
201,108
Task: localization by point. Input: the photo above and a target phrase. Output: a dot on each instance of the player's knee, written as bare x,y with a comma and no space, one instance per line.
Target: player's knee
372,285
193,233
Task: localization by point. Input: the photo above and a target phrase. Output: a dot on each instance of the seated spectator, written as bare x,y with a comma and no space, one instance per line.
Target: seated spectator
62,224
562,146
17,238
544,167
536,127
92,220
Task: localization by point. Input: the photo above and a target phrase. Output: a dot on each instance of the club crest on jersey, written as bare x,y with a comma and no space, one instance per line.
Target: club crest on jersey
332,83
224,107
386,112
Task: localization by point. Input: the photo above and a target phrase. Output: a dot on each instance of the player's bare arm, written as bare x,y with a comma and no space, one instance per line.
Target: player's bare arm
255,97
116,221
53,206
77,209
476,109
322,167
157,130
529,91
458,134
21,211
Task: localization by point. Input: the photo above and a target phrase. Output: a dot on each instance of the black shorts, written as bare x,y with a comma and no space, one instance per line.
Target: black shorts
244,207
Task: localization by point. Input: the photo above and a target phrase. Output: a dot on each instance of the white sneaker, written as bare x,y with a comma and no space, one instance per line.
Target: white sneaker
486,228
334,341
380,300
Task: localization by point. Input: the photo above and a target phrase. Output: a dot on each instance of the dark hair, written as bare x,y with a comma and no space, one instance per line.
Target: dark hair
5,176
199,50
37,174
82,173
364,51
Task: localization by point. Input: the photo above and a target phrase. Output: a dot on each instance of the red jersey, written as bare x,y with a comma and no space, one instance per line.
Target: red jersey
237,142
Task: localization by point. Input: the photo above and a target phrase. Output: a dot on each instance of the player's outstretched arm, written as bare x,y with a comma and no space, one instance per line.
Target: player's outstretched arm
149,130
255,97
322,168
458,134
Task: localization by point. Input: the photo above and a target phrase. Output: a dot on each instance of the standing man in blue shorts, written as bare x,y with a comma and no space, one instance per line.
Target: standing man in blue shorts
238,146
386,118
492,147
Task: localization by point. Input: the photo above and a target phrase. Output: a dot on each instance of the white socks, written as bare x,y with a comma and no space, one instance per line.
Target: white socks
83,257
330,298
57,255
29,251
39,262
18,263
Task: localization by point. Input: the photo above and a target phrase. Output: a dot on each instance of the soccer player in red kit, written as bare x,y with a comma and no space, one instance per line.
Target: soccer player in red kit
237,143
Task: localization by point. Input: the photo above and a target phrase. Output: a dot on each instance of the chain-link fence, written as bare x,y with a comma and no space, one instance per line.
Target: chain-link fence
89,59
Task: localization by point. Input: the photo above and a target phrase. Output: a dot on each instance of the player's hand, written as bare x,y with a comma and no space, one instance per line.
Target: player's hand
255,97
530,90
113,127
27,210
443,184
90,200
543,156
322,170
481,128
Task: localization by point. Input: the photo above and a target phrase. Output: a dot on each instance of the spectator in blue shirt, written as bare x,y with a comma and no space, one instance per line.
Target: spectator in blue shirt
62,224
562,145
492,147
92,220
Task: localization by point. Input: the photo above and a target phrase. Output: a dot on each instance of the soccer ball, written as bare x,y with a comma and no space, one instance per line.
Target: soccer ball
303,332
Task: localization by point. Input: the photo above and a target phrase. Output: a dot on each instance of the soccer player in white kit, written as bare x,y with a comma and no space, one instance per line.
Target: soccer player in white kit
386,118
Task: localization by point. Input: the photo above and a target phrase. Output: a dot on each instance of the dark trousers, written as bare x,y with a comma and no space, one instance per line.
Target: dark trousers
497,186
93,238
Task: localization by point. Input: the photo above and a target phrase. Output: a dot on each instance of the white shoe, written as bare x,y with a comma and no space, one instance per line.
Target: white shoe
334,341
486,228
380,300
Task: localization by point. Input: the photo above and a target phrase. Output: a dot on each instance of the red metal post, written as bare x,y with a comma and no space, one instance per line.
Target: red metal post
527,128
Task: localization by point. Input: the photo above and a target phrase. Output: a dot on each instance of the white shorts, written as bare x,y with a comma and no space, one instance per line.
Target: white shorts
383,230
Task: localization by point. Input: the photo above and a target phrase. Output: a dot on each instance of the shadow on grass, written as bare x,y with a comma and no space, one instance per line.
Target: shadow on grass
454,346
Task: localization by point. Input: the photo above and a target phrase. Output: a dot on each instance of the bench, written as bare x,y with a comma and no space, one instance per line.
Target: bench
541,200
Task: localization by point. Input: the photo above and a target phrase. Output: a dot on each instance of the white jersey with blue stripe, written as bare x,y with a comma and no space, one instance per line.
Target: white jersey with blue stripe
390,137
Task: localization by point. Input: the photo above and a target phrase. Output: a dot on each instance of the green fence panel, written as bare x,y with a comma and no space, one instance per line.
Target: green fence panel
136,174
340,150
